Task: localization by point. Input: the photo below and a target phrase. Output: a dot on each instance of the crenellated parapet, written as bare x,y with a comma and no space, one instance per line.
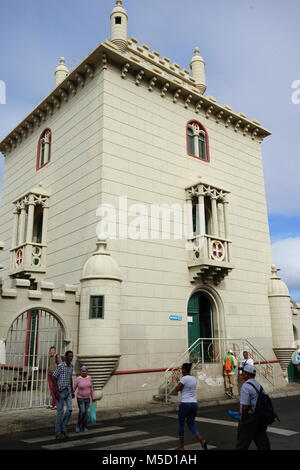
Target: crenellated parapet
149,69
45,291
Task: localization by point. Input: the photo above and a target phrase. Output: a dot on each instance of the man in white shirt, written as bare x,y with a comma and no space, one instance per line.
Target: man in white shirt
246,359
250,428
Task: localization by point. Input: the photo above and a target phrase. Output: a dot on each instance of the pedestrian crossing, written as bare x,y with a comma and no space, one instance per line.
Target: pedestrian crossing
223,422
111,438
36,440
114,438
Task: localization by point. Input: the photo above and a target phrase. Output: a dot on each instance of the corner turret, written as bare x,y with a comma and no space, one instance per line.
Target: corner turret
198,71
119,22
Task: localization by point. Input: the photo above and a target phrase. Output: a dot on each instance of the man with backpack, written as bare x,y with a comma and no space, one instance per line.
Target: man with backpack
256,413
229,365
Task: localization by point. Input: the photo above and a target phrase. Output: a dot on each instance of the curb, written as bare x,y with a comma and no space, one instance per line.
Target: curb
25,421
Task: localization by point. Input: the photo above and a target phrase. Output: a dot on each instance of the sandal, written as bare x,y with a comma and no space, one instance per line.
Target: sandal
204,445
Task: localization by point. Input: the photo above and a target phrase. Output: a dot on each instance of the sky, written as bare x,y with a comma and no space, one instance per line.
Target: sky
252,54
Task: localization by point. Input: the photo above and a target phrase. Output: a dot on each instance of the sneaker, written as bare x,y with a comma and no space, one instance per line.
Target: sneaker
85,429
228,394
60,436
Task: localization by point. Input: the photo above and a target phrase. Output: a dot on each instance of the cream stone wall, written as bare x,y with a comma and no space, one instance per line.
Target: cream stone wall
145,159
73,178
100,336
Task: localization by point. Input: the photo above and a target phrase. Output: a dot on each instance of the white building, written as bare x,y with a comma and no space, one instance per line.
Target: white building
129,137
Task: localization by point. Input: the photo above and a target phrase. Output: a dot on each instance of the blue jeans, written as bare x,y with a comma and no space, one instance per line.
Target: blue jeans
61,419
83,405
187,411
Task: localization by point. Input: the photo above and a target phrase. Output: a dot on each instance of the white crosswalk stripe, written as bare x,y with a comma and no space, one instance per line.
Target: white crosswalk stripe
35,440
195,446
94,440
138,444
222,422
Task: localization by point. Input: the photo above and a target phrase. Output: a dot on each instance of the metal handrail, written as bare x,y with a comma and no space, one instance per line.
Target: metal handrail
266,366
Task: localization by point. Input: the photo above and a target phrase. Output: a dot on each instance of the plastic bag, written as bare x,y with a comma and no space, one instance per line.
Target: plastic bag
294,358
234,414
92,414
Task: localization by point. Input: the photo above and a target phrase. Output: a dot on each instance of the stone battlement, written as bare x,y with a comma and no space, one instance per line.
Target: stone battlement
68,292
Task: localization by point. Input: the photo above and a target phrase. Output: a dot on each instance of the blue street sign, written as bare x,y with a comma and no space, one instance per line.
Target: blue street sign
175,317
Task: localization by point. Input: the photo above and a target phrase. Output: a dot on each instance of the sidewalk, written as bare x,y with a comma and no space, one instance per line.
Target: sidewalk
43,419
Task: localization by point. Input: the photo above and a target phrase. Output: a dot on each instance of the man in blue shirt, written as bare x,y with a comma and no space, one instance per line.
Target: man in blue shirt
250,428
65,393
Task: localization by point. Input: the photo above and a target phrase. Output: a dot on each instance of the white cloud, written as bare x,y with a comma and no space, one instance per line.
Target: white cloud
286,257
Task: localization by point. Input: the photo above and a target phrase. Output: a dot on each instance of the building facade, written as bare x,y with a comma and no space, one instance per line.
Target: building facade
127,153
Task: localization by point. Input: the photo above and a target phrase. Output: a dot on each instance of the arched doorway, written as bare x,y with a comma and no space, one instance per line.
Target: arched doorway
23,378
201,325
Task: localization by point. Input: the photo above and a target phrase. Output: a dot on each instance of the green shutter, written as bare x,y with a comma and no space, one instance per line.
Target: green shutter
42,155
202,147
96,306
191,148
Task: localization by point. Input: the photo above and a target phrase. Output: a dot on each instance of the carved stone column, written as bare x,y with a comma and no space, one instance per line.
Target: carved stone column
215,227
30,219
225,214
15,229
22,224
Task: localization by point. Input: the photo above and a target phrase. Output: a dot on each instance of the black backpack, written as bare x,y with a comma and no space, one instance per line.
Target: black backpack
264,410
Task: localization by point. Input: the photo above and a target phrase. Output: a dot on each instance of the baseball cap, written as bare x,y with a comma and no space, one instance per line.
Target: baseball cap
230,351
250,369
83,368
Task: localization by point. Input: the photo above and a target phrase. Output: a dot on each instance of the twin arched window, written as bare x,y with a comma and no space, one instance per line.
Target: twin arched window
44,149
197,141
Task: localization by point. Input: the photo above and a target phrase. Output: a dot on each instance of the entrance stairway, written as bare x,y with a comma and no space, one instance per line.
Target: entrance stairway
205,351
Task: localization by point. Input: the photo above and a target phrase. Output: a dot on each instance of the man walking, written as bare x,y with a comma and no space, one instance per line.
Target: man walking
251,428
53,361
246,359
65,393
229,365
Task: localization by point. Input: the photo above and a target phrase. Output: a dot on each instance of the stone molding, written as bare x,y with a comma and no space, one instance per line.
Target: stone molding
157,73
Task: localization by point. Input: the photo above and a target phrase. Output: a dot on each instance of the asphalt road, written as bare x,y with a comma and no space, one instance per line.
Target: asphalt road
159,432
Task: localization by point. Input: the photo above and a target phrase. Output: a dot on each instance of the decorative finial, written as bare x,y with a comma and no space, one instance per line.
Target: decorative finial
119,3
274,269
197,51
274,272
101,244
61,71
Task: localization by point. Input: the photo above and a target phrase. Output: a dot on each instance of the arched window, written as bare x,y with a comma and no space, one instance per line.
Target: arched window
44,149
197,141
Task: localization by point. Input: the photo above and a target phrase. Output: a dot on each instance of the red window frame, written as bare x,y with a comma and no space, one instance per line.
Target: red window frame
207,160
38,166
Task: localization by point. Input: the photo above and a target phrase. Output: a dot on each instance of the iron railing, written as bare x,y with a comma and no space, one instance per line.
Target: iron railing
212,350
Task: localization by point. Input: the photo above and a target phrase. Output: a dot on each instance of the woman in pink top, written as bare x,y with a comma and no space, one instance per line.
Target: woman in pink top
85,393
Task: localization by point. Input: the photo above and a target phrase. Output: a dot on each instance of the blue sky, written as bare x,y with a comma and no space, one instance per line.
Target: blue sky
252,54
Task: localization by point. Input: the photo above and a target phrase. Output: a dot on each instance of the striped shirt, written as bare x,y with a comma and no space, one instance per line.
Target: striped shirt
63,374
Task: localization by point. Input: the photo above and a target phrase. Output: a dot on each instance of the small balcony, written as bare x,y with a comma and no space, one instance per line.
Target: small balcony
29,237
209,259
28,258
